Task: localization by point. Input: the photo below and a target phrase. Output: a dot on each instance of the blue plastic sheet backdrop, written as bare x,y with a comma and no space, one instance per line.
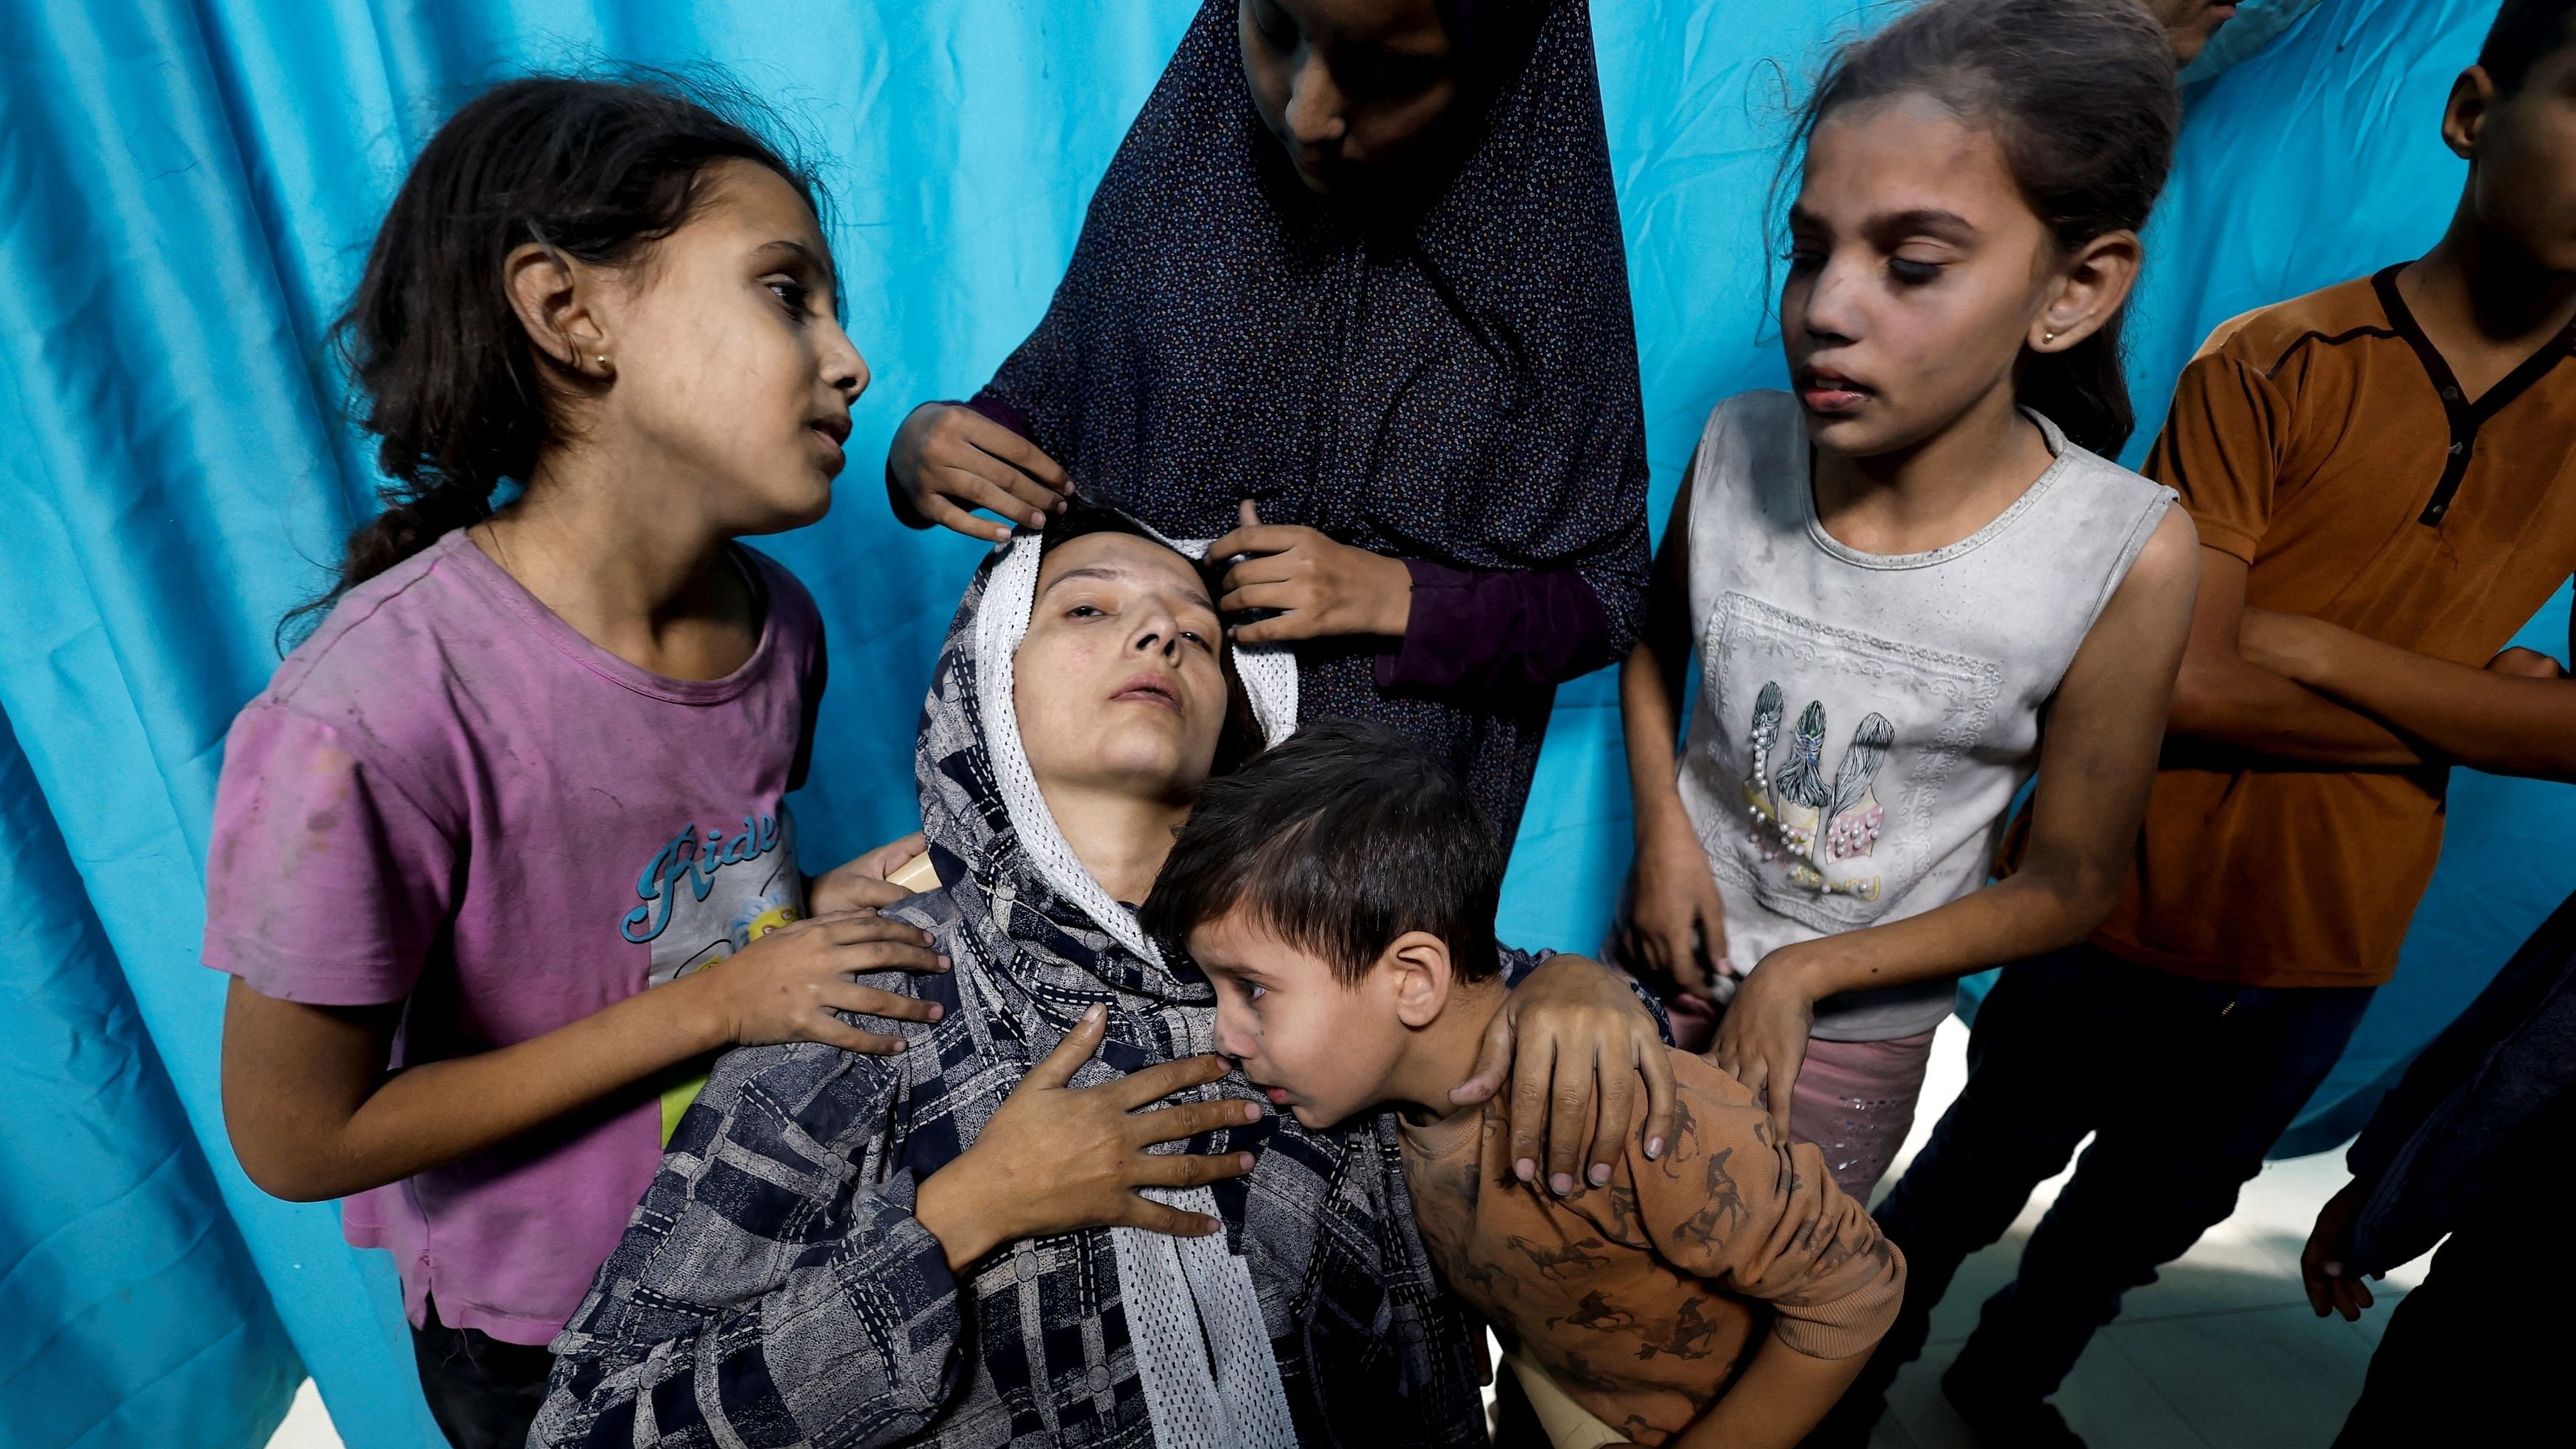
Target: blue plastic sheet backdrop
187,189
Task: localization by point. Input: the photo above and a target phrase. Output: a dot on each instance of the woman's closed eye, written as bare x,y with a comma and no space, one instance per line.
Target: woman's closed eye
1913,271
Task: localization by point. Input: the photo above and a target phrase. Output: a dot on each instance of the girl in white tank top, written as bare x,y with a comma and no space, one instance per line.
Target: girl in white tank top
1908,585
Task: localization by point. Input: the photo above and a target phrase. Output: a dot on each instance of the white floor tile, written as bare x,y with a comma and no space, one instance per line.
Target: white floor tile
308,1424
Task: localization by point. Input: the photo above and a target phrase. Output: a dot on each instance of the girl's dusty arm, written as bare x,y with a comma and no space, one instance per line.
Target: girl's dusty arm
314,1113
2097,759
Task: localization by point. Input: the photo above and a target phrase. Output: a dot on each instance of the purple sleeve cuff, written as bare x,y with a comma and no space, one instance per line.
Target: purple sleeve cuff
1000,412
1500,629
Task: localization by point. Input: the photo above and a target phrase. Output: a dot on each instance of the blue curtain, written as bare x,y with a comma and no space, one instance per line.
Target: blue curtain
187,187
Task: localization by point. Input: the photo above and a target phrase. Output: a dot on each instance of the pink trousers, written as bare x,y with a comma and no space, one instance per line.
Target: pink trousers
1854,1099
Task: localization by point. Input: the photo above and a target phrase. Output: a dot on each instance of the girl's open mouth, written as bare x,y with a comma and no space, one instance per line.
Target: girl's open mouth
1821,391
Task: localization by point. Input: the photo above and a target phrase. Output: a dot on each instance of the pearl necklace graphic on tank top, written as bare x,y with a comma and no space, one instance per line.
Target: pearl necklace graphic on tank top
1800,822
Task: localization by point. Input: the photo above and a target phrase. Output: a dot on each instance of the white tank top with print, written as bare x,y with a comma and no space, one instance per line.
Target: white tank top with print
1865,720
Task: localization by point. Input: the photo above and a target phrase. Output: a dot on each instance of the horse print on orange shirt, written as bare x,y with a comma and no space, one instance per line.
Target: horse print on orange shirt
1799,821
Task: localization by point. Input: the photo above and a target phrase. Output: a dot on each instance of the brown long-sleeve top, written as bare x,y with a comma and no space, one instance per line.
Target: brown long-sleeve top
1643,1298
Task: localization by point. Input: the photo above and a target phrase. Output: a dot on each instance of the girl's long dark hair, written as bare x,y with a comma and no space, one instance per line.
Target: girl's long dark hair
453,389
2081,95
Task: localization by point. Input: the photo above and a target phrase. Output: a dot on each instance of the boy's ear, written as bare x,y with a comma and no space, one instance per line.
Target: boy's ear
2465,114
1422,979
2094,284
556,300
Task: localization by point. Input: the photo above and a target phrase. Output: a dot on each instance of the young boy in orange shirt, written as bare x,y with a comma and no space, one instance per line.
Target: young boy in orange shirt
1719,1289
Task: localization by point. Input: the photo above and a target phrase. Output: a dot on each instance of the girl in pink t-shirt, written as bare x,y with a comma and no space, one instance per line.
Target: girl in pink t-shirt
534,760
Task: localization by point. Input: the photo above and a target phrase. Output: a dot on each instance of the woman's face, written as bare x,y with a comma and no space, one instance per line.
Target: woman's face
1350,87
1916,275
1119,683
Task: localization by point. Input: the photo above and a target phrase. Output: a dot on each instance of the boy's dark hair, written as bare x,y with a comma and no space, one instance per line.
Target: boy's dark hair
1338,840
460,399
2081,95
2524,32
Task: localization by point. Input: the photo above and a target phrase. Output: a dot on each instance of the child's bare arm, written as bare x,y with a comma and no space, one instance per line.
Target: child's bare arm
1780,1396
314,1114
2516,715
2230,696
1676,922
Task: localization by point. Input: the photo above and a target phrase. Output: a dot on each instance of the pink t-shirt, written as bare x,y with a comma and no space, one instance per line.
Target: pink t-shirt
448,796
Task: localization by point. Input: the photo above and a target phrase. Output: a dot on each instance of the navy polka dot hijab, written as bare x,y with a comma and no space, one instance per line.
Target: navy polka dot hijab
1457,383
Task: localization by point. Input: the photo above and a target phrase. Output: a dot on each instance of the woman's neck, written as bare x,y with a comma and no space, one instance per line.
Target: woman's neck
1119,836
1935,492
627,559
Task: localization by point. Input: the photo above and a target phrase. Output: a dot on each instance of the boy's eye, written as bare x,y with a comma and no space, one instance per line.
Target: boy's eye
1253,994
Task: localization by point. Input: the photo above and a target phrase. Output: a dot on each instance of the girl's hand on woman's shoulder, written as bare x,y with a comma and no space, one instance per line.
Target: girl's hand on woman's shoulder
791,984
1314,587
1571,1024
947,461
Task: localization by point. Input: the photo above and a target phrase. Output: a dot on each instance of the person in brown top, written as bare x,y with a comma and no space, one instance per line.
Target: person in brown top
1716,1289
2383,474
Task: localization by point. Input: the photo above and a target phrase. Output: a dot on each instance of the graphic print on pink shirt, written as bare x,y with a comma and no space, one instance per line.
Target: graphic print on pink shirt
706,896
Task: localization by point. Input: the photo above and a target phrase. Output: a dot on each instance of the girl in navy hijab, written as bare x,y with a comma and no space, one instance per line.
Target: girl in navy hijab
1352,295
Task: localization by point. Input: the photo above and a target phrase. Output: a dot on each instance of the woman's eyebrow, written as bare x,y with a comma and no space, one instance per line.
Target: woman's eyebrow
1194,593
1087,571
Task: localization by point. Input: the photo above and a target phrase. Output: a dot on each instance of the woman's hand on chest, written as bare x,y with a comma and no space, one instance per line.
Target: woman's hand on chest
1057,1159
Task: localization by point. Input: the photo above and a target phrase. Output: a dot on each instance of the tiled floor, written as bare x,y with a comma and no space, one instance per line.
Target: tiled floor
2220,1353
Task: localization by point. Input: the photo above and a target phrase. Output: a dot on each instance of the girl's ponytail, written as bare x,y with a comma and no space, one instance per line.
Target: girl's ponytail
2081,94
458,397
